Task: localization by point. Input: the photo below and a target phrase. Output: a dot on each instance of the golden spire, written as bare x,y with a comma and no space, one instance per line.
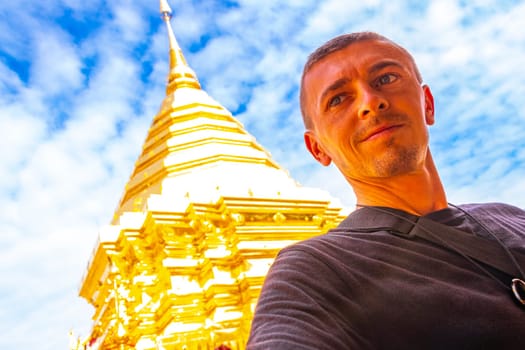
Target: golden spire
180,75
203,215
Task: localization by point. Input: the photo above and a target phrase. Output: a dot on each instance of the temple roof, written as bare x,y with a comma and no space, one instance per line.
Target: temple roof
203,215
194,144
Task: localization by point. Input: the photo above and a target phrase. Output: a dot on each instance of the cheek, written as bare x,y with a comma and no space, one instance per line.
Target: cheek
341,144
338,131
414,108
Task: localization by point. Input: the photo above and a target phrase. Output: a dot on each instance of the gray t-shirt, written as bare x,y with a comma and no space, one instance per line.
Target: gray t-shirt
375,290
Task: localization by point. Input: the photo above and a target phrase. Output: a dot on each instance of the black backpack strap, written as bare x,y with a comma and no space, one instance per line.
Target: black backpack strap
399,223
487,251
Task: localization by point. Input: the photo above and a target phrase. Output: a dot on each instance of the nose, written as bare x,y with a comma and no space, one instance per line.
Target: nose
372,103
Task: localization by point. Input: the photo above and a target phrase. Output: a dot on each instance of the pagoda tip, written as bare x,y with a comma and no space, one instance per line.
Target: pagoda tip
165,8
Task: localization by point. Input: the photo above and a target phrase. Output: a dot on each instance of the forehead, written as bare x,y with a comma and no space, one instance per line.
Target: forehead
363,52
355,59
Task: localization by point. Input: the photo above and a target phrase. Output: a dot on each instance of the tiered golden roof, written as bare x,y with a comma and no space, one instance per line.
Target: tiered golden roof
201,219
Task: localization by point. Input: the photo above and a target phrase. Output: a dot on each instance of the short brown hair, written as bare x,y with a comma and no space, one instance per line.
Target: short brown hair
338,43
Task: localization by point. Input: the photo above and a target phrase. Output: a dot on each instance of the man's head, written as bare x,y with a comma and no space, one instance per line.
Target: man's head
338,43
364,107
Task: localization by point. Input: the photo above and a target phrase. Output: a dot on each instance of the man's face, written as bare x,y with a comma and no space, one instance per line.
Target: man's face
369,111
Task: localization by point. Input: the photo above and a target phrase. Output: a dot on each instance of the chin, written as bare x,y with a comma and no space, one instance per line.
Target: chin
399,163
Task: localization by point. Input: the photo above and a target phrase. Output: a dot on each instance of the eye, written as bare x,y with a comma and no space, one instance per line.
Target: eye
385,79
336,100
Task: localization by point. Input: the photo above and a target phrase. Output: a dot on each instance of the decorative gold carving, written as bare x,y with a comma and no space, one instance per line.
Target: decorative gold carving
279,217
182,264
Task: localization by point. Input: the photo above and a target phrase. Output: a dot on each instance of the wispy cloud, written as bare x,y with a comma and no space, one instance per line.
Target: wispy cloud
81,81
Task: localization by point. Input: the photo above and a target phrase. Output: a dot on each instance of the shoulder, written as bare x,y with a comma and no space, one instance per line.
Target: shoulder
322,254
301,261
298,305
498,209
497,213
506,221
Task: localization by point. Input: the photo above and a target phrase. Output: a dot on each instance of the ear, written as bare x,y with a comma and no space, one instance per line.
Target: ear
429,105
316,149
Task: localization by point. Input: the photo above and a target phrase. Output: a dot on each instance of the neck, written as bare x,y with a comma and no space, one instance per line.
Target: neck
419,192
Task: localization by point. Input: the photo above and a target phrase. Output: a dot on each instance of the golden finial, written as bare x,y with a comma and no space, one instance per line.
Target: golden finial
165,8
181,75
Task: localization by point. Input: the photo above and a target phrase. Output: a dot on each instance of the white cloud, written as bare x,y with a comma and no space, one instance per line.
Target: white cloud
56,67
18,131
129,22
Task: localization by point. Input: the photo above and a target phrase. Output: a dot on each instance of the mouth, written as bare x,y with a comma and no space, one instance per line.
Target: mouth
381,131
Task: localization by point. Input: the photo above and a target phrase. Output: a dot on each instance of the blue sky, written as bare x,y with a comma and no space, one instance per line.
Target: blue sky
80,82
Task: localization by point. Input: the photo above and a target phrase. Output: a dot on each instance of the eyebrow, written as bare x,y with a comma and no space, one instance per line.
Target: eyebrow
380,65
334,86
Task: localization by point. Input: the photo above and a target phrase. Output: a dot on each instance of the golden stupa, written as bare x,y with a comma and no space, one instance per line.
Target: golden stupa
200,221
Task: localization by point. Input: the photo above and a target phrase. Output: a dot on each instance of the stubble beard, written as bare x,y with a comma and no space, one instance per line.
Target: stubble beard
397,160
